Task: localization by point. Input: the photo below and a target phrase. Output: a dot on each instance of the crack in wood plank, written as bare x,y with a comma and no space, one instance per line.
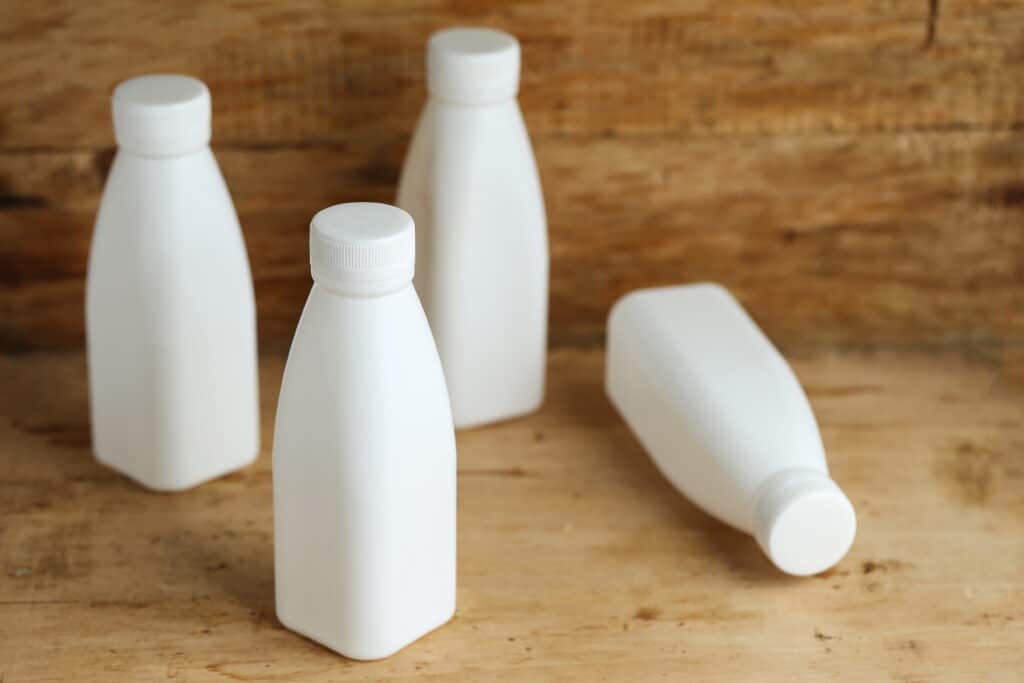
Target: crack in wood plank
931,24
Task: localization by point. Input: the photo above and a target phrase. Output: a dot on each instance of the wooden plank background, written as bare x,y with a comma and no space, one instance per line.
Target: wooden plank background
853,170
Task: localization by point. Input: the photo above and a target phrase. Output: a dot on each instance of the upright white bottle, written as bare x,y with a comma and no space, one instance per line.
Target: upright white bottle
726,421
169,308
471,184
364,447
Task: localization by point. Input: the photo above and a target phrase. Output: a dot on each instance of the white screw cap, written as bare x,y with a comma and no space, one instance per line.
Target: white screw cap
803,521
473,65
362,248
162,115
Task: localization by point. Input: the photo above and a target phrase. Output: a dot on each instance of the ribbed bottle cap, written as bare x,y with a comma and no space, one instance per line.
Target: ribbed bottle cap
362,248
473,65
162,115
803,521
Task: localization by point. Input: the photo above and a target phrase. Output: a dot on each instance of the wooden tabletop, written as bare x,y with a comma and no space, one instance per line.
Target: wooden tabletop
576,560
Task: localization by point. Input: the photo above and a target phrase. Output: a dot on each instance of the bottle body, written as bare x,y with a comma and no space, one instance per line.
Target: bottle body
171,324
726,421
364,476
470,181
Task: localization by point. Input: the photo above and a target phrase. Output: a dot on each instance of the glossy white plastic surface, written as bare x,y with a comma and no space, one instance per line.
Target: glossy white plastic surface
364,449
723,416
170,315
471,184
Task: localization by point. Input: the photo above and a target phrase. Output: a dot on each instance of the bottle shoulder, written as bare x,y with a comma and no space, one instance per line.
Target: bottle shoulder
170,234
128,165
698,350
363,356
464,163
474,134
341,330
167,205
149,187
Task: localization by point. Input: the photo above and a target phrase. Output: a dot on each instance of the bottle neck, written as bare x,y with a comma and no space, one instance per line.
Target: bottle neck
378,290
128,151
500,102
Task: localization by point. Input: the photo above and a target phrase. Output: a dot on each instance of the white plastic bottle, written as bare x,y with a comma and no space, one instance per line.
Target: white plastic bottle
364,447
471,184
726,421
170,314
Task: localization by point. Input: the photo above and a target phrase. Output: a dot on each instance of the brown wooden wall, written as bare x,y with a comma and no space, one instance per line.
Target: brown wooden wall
852,169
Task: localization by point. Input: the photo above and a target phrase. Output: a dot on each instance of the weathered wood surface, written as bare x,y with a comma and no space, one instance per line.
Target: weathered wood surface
313,71
576,560
908,243
853,170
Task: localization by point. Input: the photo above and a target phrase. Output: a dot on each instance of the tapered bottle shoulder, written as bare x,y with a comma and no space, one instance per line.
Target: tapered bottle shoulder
327,311
699,352
472,185
701,332
184,192
363,375
347,339
168,252
170,217
466,141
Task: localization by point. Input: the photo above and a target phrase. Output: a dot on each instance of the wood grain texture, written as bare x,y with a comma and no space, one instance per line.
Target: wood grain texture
576,560
853,170
313,71
902,239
